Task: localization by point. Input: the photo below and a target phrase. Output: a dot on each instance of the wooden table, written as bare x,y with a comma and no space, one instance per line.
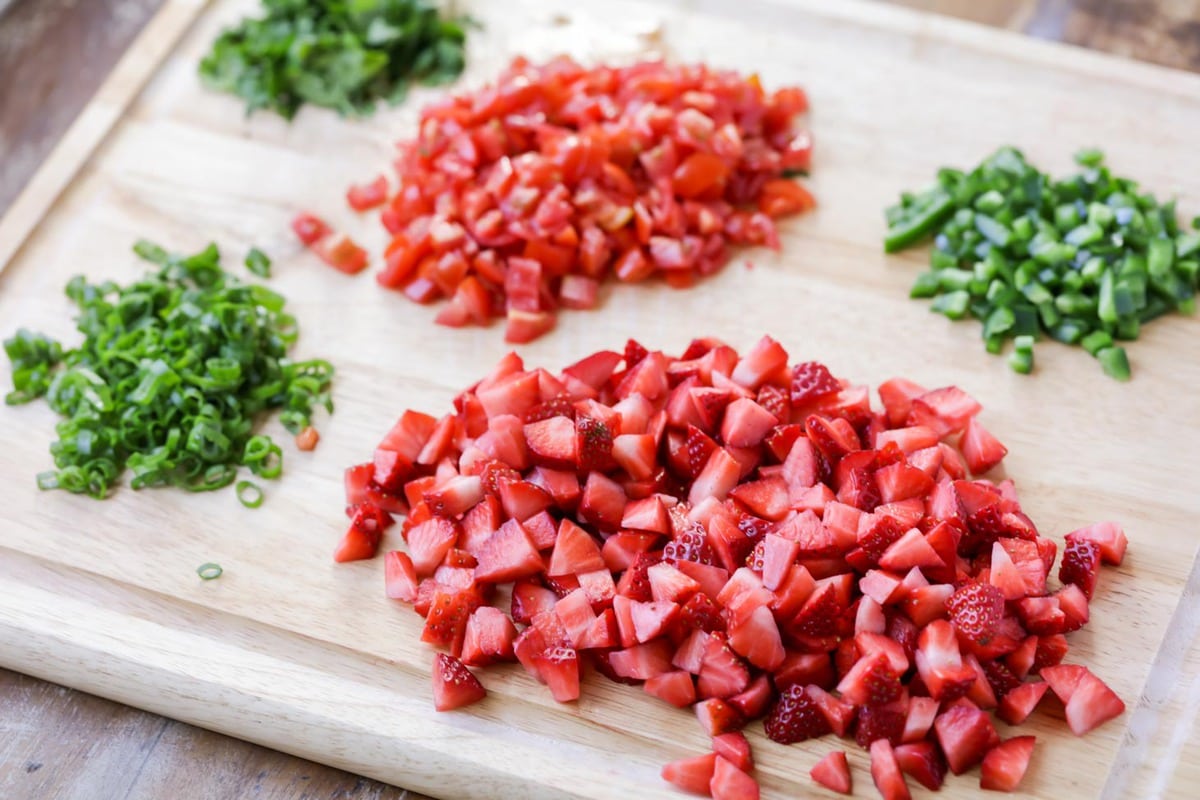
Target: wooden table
55,742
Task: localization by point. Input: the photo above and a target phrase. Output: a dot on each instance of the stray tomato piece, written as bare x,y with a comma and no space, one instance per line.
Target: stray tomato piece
341,253
307,439
368,195
310,228
781,197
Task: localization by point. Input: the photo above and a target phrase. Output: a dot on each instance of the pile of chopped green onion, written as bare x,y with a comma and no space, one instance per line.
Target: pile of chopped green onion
1086,260
173,376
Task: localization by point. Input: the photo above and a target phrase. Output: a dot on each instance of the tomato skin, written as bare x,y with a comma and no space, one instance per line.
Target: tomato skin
341,253
700,175
781,197
309,228
368,195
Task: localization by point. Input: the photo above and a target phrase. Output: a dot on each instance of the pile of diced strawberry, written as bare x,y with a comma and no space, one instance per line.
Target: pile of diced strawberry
747,539
522,196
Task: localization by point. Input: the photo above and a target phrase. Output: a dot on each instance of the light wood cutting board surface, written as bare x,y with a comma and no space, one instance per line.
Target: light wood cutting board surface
290,650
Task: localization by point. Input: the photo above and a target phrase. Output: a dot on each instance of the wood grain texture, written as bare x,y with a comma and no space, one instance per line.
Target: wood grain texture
121,193
60,743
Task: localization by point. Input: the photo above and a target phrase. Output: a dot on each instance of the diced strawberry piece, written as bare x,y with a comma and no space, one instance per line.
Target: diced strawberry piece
429,542
507,555
833,772
675,688
752,701
1050,651
946,410
596,369
642,661
691,774
730,783
488,638
357,543
909,440
900,482
734,748
981,450
1090,704
897,396
400,577
921,713
976,610
765,359
529,599
1080,564
635,453
1005,764
910,550
717,717
453,684
767,498
1107,536
575,551
575,614
1019,703
646,514
795,717
603,501
719,475
885,771
871,681
552,442
922,761
811,381
722,672
446,620
939,662
746,423
620,549
757,638
559,668
965,734
1074,607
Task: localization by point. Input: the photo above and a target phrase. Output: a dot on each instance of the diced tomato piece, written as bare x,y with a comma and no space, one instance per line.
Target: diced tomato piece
310,228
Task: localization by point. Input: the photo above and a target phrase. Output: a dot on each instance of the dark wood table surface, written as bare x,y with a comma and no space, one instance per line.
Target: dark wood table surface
60,743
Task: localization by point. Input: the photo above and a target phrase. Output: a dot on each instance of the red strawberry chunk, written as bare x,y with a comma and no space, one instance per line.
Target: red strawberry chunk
833,772
676,688
1091,703
879,722
1081,564
1005,764
885,771
691,774
488,638
923,763
811,381
746,423
976,610
795,717
1108,537
453,684
730,783
965,734
1019,702
507,555
981,450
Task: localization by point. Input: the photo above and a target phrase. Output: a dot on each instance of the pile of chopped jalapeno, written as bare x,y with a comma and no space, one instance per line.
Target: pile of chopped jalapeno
1086,260
174,373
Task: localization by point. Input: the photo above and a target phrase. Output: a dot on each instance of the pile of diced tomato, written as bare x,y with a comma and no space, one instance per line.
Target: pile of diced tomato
523,196
746,538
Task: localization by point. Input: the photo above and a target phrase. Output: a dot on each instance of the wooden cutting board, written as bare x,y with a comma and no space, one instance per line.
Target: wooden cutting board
289,650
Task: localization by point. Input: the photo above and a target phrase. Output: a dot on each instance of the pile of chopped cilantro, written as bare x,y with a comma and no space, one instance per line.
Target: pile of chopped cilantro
341,54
